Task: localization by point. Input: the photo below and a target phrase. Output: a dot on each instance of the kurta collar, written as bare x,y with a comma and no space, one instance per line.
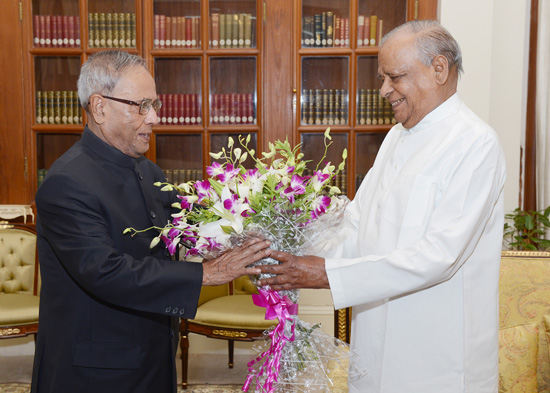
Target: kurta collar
92,141
442,111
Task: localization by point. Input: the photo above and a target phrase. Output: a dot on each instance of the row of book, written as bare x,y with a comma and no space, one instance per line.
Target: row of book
325,30
56,31
176,31
324,106
111,30
58,107
232,30
178,176
329,30
235,108
340,180
369,30
373,109
183,109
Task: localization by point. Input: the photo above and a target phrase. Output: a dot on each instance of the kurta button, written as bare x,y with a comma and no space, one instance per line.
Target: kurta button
175,310
153,215
168,309
182,311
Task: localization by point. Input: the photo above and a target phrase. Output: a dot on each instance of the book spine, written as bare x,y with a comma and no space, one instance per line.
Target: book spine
180,32
226,108
132,24
169,107
228,30
42,27
189,33
36,30
318,30
330,29
168,30
304,106
162,31
380,32
222,31
109,31
102,30
344,106
337,29
196,40
241,30
215,30
76,20
324,114
175,32
323,29
311,114
38,113
54,32
337,109
64,118
48,31
248,30
70,32
51,105
366,32
346,32
373,28
331,98
45,107
69,103
235,30
193,108
360,29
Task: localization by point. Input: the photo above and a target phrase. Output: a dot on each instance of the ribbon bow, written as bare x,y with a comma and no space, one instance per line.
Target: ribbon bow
283,309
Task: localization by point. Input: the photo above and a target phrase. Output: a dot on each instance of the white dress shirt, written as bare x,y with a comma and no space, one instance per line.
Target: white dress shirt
418,258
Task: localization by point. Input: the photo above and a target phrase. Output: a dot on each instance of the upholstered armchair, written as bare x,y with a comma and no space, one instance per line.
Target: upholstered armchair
225,312
19,281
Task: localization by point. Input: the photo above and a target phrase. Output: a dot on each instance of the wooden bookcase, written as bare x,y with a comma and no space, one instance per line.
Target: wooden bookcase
270,80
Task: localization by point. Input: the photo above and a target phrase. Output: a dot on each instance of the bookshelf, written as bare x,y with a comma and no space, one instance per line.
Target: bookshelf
269,68
336,78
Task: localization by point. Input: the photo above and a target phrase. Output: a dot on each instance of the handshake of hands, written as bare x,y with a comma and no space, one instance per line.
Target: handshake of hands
293,272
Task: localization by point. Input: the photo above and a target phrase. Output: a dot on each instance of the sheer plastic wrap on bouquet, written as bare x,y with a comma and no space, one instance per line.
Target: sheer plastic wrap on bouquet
295,356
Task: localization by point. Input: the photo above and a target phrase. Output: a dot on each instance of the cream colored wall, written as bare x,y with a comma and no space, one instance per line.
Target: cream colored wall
493,35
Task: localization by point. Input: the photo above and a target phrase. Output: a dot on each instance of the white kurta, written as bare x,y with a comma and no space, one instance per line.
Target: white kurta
419,258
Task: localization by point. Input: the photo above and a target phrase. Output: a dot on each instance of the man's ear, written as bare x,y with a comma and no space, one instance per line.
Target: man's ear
97,109
441,69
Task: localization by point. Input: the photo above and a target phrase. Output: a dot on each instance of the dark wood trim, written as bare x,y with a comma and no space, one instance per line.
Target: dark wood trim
530,174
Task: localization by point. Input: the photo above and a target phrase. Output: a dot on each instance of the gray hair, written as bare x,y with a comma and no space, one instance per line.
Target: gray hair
102,71
432,40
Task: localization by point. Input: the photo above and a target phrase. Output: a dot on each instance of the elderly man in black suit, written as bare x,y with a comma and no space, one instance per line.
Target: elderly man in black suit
109,303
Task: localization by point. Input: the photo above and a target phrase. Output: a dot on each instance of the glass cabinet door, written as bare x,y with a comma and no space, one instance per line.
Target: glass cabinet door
233,90
180,156
232,24
177,24
49,147
112,24
376,18
218,141
372,108
313,148
55,90
325,90
178,83
56,24
367,145
325,23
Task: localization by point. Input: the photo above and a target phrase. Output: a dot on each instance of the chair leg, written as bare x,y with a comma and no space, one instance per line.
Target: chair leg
184,345
231,345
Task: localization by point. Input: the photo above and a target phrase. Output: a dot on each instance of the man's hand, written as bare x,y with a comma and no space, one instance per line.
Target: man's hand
295,272
232,264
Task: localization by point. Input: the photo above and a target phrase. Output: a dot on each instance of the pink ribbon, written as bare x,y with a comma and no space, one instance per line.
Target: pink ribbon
283,309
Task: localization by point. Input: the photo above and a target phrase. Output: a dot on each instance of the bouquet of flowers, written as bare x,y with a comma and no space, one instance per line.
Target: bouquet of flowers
275,200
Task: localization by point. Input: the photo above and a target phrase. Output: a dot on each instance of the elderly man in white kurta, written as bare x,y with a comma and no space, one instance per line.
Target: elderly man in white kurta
418,257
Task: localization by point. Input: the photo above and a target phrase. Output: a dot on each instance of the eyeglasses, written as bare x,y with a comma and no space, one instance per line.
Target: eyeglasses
144,106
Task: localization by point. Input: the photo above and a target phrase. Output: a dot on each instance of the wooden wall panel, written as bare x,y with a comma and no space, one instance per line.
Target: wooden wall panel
12,134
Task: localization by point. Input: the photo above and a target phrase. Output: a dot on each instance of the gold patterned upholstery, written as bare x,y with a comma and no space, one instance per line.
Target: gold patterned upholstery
524,363
225,312
19,281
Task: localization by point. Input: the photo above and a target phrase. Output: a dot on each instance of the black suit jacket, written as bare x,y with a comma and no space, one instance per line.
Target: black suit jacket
108,302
